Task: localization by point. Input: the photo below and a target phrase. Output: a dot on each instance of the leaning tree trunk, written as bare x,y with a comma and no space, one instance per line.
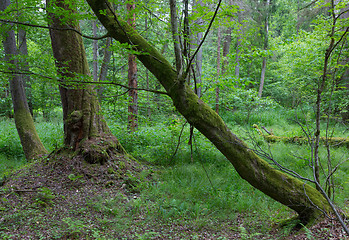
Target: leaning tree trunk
84,127
30,140
299,196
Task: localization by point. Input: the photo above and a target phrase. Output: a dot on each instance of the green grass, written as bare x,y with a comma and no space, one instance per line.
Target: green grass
194,187
11,153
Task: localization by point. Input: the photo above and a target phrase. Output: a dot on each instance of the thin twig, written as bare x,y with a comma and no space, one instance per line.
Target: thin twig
203,40
53,28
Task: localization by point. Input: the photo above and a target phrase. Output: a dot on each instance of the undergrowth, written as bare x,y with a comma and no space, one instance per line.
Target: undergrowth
195,184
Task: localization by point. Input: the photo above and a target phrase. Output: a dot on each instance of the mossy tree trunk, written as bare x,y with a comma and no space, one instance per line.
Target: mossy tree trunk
84,126
299,196
30,140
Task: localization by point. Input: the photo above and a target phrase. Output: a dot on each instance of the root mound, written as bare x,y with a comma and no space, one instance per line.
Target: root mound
65,186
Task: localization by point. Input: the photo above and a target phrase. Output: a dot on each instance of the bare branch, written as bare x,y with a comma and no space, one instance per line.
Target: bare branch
203,40
59,29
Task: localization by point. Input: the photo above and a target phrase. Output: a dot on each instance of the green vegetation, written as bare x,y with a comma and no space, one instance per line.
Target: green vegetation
174,184
200,189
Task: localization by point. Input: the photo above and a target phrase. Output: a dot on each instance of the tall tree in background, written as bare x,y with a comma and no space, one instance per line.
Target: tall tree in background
238,44
265,16
104,67
198,62
226,43
218,66
288,190
23,50
83,121
95,52
132,75
32,146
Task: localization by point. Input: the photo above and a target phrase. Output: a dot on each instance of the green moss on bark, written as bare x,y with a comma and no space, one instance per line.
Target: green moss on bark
302,198
31,143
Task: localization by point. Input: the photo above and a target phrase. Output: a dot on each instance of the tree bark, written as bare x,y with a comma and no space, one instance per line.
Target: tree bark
132,77
31,143
226,49
95,52
266,32
23,50
175,36
198,72
292,192
218,67
238,46
84,126
104,67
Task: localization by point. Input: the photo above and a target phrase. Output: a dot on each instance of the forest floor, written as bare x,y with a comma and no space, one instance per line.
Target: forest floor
62,197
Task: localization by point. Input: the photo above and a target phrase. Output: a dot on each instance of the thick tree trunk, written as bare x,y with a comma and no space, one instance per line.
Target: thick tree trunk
299,196
83,122
30,140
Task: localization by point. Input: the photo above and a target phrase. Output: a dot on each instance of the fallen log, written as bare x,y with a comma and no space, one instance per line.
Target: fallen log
332,141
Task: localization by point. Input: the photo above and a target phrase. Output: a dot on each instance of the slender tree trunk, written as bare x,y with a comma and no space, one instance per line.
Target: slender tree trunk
30,140
132,77
261,84
23,50
95,52
298,17
238,46
175,36
186,32
198,72
104,67
147,77
226,49
218,66
299,196
84,126
264,63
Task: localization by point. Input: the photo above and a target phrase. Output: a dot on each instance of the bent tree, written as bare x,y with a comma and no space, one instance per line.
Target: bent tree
85,129
284,188
31,143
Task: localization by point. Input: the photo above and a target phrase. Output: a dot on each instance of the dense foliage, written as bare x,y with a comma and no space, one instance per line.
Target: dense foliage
295,42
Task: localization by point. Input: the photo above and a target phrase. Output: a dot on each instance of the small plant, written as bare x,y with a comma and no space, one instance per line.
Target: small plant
74,227
74,177
45,197
308,233
244,234
147,235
